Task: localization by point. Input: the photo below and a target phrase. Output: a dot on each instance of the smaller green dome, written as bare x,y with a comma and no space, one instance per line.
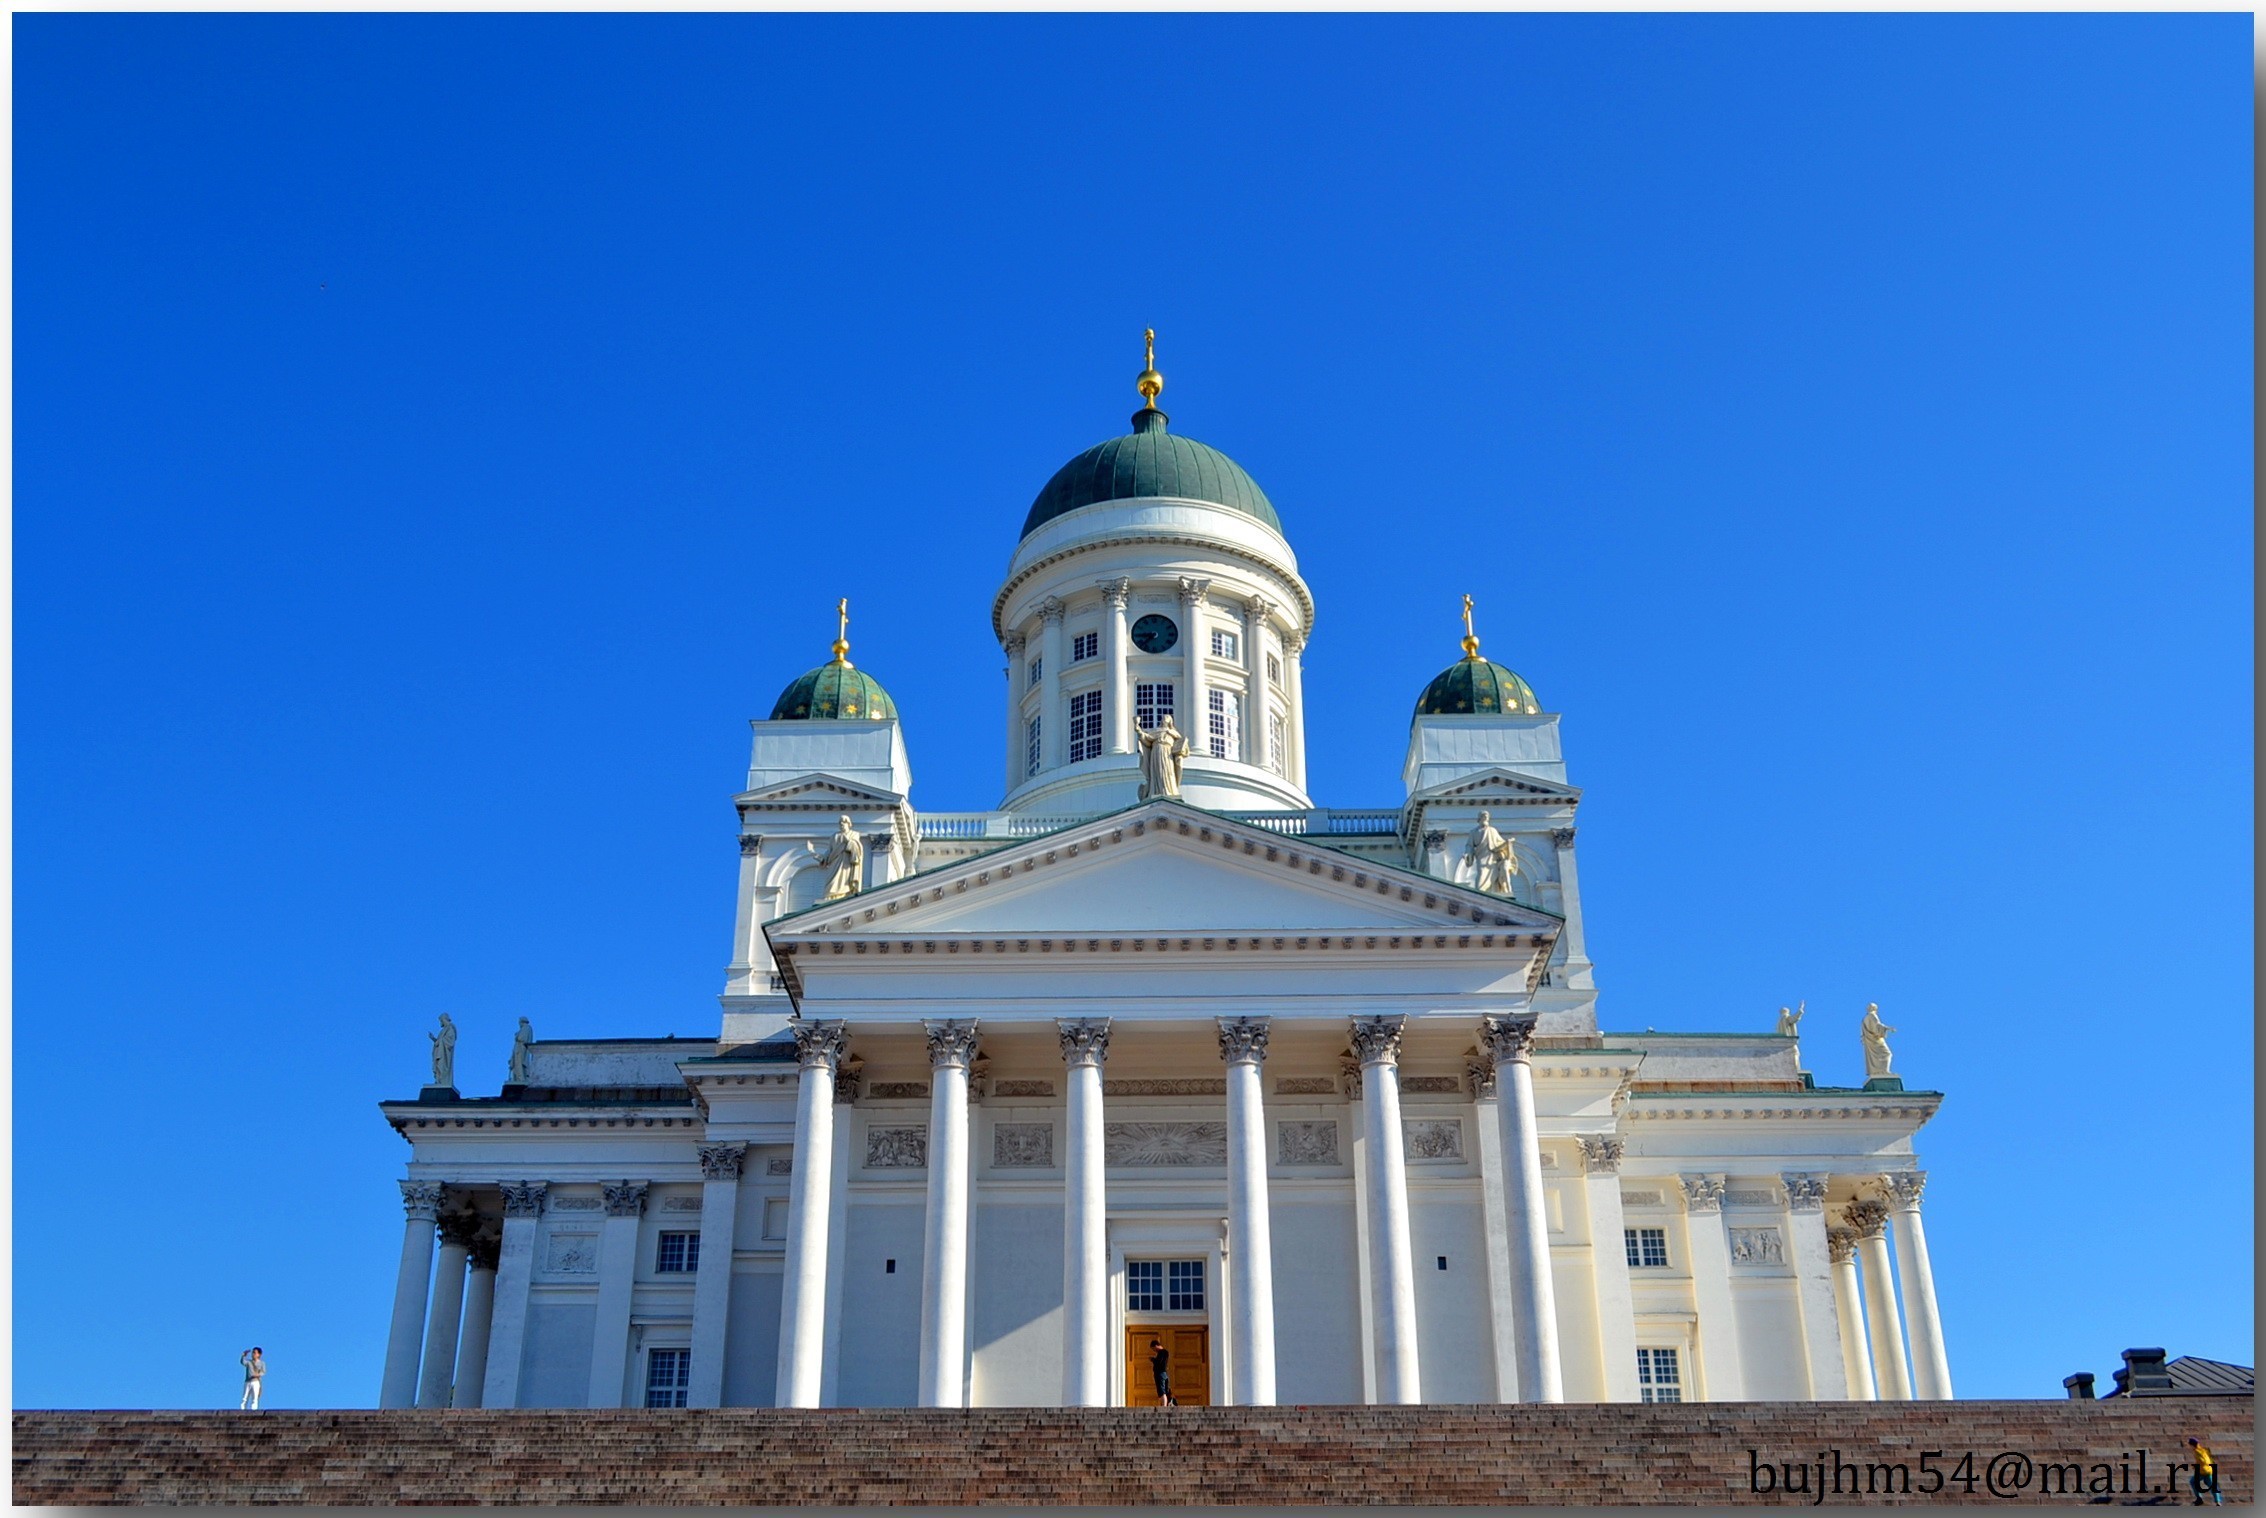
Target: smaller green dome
833,692
1474,684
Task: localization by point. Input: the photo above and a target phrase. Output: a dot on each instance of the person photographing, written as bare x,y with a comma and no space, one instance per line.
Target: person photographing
255,1364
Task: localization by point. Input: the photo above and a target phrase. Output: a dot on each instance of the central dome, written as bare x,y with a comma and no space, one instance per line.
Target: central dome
1150,461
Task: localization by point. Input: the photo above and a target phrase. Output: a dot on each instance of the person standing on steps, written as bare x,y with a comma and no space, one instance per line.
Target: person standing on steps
2205,1476
255,1370
1160,1366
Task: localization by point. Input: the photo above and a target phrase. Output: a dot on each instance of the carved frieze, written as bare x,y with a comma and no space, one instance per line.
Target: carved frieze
1643,1199
1164,1143
576,1204
1307,1143
1211,1086
1432,1084
1432,1138
901,1146
1022,1146
1023,1088
1306,1085
572,1254
898,1091
1757,1246
680,1204
779,1164
1751,1198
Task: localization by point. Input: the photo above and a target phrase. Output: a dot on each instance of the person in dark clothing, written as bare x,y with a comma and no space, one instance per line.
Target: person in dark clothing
1160,1366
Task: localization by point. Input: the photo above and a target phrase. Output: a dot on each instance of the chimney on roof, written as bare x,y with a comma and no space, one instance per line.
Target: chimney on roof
2144,1372
2079,1386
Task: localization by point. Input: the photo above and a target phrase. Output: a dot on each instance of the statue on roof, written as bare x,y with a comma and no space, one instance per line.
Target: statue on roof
1875,1033
444,1053
1790,1023
1162,751
521,1042
845,858
1493,861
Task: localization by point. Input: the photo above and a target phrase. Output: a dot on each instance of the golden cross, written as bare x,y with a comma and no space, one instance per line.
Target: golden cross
1470,638
842,609
1467,616
1149,339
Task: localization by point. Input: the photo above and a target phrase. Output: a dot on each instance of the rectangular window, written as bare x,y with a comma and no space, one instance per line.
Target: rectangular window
1185,1280
1648,1248
1084,646
1278,744
1226,645
1038,668
1152,704
1274,670
679,1252
1086,726
1144,1286
1659,1379
1031,747
668,1377
1227,724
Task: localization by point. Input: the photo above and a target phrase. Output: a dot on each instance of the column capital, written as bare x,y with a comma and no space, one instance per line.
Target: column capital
1508,1040
1805,1190
1869,1217
1561,838
750,844
485,1252
524,1199
1350,1069
1050,610
1192,592
421,1200
1259,608
1244,1038
1377,1040
1085,1040
626,1199
849,1080
1601,1153
1841,1245
1702,1193
721,1162
951,1042
459,1228
1116,592
1012,645
1481,1073
1903,1188
1294,642
819,1045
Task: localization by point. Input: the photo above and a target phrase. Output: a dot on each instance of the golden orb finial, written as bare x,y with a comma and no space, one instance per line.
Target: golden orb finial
1470,638
1151,383
842,634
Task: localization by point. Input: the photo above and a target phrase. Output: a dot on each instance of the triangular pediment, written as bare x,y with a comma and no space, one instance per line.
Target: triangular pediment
819,790
1507,786
1163,868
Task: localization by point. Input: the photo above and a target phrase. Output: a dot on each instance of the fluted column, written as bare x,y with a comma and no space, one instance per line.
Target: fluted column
1294,679
712,1277
1255,683
421,1202
1722,1367
1849,1310
1578,973
1808,1254
1609,1257
479,1316
1016,681
1194,638
1931,1368
1392,1270
617,1282
1053,719
1870,1219
515,1272
446,1318
1509,1042
1117,685
1250,1233
802,1296
944,1258
1085,1219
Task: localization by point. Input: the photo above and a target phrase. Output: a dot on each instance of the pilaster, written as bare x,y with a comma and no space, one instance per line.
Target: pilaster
1721,1373
1812,1260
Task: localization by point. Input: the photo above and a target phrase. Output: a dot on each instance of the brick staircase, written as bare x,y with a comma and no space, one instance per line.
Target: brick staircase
1694,1453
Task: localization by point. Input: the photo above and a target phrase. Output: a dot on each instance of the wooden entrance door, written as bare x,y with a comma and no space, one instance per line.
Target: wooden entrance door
1191,1366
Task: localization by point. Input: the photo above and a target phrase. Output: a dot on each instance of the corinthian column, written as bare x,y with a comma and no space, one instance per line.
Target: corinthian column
802,1296
1255,684
1931,1370
1013,643
617,1281
421,1201
712,1277
1250,1238
1053,718
1722,1369
1392,1270
442,1324
1193,636
1117,689
1509,1042
1085,1219
1870,1220
944,1259
1848,1308
515,1271
479,1316
1609,1261
1813,1283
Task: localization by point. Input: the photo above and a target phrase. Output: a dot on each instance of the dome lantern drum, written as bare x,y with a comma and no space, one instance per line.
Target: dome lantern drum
834,692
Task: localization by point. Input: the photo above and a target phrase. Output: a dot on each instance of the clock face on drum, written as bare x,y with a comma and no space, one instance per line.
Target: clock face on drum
1154,634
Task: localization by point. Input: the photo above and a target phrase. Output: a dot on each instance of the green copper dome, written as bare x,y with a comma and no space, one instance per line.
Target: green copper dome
833,692
1474,684
1150,461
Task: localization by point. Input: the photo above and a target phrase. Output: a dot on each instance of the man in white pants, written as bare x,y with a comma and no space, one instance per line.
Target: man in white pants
255,1367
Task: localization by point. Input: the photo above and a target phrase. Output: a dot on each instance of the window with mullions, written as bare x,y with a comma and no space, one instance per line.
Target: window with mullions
1227,724
1144,1286
1184,1285
1152,704
1659,1378
1038,668
1164,1285
1648,1248
1086,726
1278,744
679,1252
1274,669
1084,646
668,1377
1031,753
1226,645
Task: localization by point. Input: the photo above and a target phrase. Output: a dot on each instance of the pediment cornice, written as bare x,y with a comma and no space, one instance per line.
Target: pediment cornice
814,791
1499,787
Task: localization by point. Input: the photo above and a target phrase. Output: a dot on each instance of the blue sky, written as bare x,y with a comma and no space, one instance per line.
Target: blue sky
436,436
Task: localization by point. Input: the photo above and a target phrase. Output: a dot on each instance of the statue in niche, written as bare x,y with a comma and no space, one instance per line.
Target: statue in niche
444,1053
1875,1033
1493,862
520,1043
1162,751
844,859
1790,1023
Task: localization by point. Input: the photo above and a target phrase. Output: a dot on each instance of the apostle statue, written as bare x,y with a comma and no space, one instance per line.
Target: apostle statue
1162,750
1790,1023
1493,862
1875,1034
520,1043
844,859
444,1053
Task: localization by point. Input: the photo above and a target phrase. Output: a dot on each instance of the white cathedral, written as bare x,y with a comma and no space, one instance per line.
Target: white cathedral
1158,1078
